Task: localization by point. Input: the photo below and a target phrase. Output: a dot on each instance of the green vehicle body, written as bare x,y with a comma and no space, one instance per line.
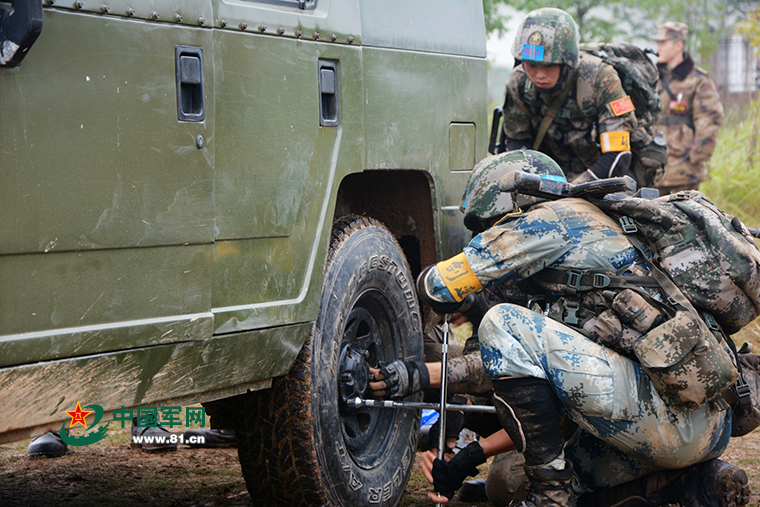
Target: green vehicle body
147,260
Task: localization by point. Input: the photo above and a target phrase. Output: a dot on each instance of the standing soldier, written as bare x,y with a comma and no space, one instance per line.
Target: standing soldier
567,104
692,111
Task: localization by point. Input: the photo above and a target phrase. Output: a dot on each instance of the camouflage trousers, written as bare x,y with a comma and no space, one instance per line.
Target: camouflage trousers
625,430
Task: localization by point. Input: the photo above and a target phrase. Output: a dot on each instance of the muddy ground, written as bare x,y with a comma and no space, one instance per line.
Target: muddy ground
111,473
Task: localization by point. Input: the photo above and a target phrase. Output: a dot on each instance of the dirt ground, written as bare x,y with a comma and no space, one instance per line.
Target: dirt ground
111,473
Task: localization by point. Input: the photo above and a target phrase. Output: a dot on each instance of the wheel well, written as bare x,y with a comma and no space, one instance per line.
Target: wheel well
402,200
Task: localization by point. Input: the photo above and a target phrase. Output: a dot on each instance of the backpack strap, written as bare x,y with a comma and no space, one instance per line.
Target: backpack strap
667,89
553,111
573,282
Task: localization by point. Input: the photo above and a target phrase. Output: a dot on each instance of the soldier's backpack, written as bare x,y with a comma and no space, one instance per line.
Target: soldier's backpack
639,77
700,257
708,254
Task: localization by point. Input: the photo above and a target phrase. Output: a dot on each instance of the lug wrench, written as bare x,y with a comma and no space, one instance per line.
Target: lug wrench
441,407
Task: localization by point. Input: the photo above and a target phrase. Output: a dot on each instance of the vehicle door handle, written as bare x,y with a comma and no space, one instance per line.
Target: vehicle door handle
188,61
328,93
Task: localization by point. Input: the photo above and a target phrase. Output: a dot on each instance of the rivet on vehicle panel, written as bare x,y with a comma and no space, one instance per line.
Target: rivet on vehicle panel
280,31
334,37
201,21
316,35
154,15
178,18
79,4
199,142
243,25
350,39
299,33
130,12
105,9
222,23
262,28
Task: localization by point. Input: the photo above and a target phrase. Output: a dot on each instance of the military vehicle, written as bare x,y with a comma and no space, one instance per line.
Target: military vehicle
226,202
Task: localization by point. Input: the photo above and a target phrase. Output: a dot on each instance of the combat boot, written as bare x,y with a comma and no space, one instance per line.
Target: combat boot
529,412
547,487
713,483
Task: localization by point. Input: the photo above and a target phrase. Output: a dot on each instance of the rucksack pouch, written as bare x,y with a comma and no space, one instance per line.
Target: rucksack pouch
719,269
746,417
686,363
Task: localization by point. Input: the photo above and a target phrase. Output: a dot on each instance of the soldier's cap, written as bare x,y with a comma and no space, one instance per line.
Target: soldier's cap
673,30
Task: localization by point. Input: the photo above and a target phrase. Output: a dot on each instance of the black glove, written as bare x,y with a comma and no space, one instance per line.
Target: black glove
449,475
403,378
454,424
613,164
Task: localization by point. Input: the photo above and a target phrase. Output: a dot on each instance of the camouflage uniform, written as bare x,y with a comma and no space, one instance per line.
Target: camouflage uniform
595,117
572,139
626,430
692,114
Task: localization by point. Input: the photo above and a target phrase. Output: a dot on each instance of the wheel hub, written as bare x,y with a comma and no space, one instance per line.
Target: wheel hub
354,375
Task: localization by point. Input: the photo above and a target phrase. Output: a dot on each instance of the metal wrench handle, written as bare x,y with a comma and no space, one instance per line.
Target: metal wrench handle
444,385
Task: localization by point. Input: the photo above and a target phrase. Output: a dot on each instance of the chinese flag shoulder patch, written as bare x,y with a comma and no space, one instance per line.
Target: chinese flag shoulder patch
622,106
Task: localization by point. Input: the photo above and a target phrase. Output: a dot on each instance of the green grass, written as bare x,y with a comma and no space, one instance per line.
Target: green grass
735,166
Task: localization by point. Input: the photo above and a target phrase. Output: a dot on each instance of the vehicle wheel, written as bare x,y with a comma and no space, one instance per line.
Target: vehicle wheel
299,443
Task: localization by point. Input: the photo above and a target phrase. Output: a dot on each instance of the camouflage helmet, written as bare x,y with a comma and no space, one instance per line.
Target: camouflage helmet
548,36
482,199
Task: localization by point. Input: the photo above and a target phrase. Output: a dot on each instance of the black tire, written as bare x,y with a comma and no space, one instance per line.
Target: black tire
297,444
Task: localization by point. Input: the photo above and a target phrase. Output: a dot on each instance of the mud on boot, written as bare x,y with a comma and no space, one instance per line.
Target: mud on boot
714,483
547,488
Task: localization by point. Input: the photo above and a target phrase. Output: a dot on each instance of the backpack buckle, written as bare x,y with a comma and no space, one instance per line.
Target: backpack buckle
601,281
574,280
572,317
742,390
712,324
629,226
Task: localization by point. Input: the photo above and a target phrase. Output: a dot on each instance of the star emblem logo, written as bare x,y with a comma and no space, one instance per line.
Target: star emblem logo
78,415
535,38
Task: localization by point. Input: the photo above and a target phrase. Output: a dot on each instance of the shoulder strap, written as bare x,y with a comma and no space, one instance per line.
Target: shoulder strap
553,111
667,89
573,282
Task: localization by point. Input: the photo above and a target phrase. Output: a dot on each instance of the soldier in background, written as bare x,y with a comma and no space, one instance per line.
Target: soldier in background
567,104
691,114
